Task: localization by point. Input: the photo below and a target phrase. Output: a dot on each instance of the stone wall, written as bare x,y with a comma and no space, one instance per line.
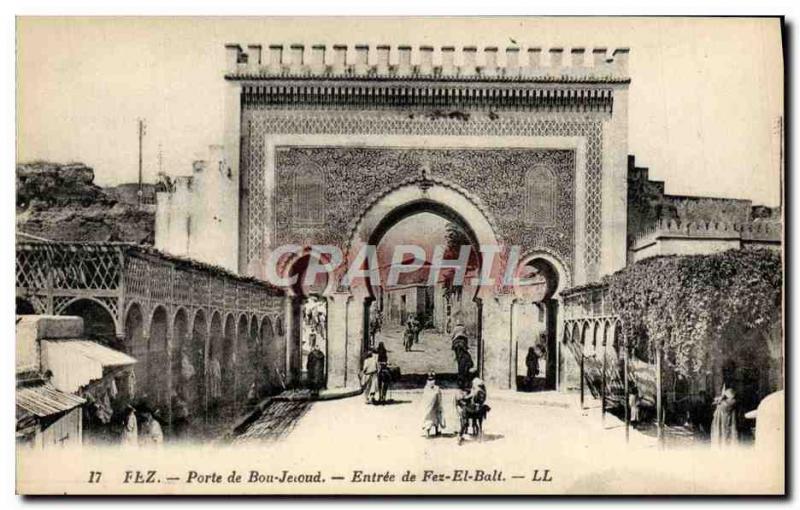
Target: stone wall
199,216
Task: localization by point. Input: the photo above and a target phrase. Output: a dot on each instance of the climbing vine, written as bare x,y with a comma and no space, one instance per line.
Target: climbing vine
691,305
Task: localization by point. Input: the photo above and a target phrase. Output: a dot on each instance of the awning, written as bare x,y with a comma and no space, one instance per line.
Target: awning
75,363
44,400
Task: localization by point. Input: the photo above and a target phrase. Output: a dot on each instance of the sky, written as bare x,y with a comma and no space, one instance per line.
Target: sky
704,103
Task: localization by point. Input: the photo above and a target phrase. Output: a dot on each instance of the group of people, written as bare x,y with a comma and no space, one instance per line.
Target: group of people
411,333
375,325
144,430
717,419
376,375
470,405
315,318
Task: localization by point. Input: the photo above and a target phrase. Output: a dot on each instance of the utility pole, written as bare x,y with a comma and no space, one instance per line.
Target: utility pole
141,135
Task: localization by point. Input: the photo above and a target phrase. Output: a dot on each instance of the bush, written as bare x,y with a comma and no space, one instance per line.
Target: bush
688,305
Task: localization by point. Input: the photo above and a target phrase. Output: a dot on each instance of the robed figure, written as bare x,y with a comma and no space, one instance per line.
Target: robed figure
316,368
369,377
433,412
723,424
215,380
130,428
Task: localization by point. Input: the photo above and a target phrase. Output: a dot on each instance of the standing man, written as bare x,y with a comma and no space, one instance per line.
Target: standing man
408,335
369,376
532,364
316,367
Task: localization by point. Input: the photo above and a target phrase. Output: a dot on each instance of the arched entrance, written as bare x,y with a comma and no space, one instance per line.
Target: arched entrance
196,388
534,323
308,318
157,365
491,358
415,315
98,323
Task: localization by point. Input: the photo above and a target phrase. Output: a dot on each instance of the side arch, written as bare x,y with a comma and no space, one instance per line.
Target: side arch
99,321
158,369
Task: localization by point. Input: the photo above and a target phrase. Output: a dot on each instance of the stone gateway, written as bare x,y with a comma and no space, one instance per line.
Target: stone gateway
517,148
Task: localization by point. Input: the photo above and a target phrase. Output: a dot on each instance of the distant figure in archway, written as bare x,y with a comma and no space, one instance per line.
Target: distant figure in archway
375,324
409,334
315,365
532,364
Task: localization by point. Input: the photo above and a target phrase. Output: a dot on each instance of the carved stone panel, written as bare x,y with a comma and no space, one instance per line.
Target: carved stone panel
536,216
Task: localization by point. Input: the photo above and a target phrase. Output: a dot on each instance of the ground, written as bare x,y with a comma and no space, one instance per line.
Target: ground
522,433
433,353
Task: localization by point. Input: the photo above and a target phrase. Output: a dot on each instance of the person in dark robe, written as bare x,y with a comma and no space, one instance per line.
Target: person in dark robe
532,364
374,327
459,338
316,369
408,334
417,326
465,364
383,354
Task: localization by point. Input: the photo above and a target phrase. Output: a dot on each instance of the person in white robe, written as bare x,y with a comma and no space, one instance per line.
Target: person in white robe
433,412
369,377
215,379
130,432
151,434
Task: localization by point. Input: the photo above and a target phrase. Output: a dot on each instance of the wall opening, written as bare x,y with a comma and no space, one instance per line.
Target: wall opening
426,322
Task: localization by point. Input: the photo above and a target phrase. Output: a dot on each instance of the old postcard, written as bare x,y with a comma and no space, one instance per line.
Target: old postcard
399,256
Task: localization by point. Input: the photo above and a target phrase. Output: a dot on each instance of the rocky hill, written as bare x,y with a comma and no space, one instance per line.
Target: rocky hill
61,202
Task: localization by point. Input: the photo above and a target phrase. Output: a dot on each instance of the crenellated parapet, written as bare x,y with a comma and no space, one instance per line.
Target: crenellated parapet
747,232
365,78
447,63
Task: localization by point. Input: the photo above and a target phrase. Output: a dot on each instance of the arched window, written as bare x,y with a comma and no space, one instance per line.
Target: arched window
308,195
540,196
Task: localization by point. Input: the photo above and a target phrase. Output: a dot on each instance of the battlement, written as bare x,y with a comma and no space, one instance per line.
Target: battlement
556,64
753,231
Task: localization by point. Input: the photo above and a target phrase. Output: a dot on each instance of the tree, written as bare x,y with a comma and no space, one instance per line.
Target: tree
691,306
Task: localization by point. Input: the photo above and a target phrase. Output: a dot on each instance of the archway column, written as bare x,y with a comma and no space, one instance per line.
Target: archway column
355,337
168,341
293,332
497,370
337,347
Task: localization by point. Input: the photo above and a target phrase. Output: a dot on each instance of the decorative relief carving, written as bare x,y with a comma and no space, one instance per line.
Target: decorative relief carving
308,195
346,188
541,199
492,175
